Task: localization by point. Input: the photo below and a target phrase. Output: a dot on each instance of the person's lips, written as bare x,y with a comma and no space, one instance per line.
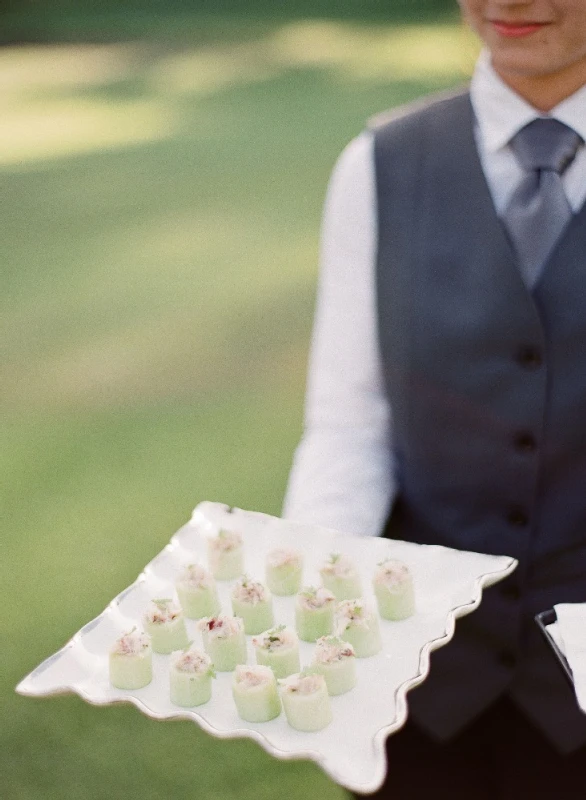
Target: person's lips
516,29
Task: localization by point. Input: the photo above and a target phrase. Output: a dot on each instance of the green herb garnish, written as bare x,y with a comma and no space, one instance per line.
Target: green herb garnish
309,591
307,671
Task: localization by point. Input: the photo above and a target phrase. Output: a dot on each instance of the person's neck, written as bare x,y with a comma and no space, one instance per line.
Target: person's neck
546,91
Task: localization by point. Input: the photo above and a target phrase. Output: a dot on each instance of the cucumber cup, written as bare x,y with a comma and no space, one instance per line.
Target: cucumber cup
359,626
283,571
164,623
314,613
255,693
335,660
340,576
226,555
190,677
131,661
253,603
197,592
394,591
278,648
224,641
306,701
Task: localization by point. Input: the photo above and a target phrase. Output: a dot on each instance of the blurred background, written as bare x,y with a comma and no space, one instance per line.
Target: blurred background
163,167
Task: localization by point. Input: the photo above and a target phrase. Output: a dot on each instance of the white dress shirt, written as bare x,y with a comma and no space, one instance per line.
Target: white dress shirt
342,475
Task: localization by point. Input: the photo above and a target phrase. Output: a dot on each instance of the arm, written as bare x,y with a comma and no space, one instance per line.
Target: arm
342,475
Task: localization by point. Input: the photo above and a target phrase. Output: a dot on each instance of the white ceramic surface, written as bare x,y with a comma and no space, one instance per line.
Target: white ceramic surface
555,632
351,750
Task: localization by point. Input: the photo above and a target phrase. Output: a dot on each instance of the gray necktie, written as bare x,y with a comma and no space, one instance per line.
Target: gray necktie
538,211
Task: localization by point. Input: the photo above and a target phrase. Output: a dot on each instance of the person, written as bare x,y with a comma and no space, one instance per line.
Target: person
446,396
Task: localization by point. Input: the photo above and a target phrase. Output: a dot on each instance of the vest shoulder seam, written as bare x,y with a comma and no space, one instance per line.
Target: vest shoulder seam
423,104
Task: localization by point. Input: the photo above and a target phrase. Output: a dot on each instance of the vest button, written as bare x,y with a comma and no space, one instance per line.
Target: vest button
518,517
525,442
508,659
529,356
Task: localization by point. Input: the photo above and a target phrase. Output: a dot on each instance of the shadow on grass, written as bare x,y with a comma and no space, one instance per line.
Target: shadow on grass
84,21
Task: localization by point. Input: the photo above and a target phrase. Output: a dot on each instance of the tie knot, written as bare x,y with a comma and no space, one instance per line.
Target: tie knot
545,144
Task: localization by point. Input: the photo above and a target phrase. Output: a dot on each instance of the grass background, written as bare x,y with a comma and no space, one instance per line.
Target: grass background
162,175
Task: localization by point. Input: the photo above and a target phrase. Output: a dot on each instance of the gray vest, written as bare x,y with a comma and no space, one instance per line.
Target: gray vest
487,384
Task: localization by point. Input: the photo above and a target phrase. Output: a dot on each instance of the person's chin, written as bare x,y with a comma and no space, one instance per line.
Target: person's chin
518,62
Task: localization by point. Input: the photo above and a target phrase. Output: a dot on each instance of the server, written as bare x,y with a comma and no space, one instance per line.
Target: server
446,397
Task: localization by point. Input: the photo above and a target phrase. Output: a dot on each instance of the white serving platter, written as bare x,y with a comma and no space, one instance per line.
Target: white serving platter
449,585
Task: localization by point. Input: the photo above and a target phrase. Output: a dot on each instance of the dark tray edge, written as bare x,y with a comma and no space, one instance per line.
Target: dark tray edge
543,619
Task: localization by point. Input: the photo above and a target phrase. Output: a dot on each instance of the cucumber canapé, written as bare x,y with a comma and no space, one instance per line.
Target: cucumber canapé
255,693
190,677
336,661
314,613
278,648
131,661
226,555
197,592
253,603
283,571
359,626
224,641
306,701
341,577
163,621
394,590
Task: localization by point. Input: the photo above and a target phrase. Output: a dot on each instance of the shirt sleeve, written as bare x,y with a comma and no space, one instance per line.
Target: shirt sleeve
342,474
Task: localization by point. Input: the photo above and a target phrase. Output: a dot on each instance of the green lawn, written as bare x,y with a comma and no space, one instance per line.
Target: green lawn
160,204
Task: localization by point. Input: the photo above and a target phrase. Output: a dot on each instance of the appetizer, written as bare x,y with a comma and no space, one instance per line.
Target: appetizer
255,693
190,677
283,571
164,623
340,576
359,626
224,641
226,555
314,613
306,701
335,660
393,587
131,661
278,648
253,603
197,592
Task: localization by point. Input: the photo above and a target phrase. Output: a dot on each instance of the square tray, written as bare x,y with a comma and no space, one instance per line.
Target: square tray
449,585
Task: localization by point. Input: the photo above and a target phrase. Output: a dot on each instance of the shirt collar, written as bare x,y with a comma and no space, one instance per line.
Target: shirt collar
500,112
